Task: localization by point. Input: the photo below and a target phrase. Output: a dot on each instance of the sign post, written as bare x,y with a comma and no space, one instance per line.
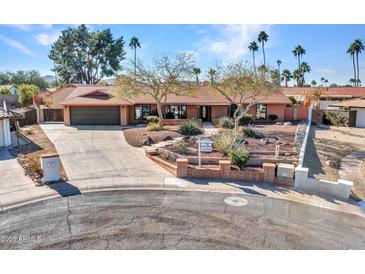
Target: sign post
204,145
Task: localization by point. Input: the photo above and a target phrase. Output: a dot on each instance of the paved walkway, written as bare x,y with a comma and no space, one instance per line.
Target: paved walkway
351,169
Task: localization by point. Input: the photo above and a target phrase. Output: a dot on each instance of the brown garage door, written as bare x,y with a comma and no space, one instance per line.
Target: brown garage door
95,115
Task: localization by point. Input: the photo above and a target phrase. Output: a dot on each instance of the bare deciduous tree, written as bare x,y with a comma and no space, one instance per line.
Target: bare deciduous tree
241,86
166,76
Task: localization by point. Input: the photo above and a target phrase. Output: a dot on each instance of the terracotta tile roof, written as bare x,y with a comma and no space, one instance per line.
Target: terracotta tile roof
356,103
6,114
80,95
327,92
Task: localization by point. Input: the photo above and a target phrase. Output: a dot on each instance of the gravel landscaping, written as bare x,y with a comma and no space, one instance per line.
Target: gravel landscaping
141,136
327,146
28,155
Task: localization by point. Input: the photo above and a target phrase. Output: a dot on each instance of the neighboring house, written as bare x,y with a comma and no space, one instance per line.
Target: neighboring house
12,88
357,105
93,105
329,97
5,117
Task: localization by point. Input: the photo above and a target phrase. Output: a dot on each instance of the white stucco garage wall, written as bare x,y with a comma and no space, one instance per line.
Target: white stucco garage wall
360,117
1,134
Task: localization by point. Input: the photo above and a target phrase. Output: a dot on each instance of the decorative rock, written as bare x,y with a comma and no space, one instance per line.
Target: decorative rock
167,138
279,123
147,141
186,138
331,163
264,141
287,124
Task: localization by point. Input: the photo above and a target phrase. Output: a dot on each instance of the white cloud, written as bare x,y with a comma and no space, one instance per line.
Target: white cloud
233,40
325,70
29,27
16,44
46,39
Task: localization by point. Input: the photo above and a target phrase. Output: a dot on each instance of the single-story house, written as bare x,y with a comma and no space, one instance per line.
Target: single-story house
12,88
101,105
357,105
330,95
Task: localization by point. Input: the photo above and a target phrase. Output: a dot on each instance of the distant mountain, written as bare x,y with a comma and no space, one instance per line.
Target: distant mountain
49,78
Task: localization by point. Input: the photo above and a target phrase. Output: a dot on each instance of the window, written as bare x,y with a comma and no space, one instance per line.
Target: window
141,111
261,111
175,112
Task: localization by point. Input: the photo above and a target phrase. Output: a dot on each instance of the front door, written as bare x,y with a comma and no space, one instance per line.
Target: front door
205,113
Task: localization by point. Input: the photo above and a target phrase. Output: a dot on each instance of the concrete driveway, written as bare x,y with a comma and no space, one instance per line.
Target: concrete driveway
13,181
100,153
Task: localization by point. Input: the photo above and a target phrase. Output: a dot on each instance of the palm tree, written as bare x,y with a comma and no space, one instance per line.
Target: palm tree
286,76
134,43
253,47
313,83
304,68
279,62
212,73
297,76
197,71
262,38
351,51
325,82
322,80
352,81
358,48
298,52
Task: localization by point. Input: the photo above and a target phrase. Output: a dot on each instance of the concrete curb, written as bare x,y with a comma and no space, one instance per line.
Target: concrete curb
164,187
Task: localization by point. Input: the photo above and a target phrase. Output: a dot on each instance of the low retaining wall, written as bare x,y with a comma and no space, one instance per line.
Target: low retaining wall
176,122
341,188
225,171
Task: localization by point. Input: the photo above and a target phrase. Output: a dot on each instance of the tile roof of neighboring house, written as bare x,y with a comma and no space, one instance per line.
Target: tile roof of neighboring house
82,95
327,92
356,103
6,114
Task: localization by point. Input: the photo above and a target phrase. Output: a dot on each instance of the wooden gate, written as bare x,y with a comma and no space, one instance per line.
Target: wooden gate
53,115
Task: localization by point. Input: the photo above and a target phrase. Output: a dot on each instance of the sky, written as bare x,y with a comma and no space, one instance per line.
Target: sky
27,46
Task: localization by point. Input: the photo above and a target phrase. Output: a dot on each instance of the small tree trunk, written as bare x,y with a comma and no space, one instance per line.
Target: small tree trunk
159,111
358,73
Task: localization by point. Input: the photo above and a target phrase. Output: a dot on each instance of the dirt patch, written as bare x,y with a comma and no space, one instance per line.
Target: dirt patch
137,136
325,151
29,155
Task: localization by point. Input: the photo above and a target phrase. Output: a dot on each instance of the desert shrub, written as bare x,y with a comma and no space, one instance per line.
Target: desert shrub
154,127
273,117
5,91
225,122
238,156
153,119
227,140
190,127
246,119
250,132
335,118
182,147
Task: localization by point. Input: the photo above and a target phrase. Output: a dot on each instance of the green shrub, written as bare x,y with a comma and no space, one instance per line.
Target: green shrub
225,122
246,119
26,93
238,156
5,91
182,148
335,119
250,132
153,119
154,127
227,140
190,127
273,117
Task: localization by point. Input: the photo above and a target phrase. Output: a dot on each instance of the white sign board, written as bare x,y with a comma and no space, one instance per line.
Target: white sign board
206,146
